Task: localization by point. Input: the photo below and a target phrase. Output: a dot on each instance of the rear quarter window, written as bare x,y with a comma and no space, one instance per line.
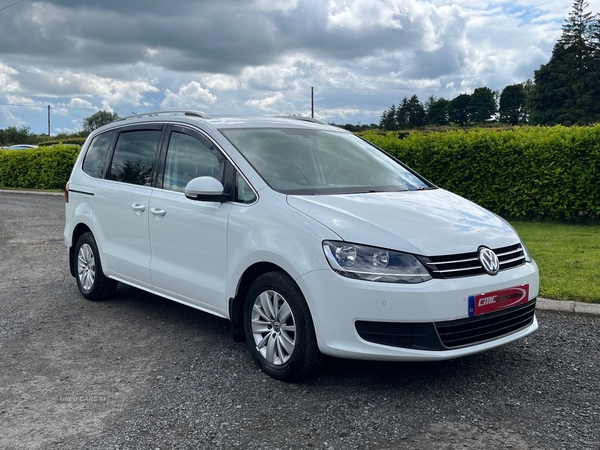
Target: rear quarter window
95,162
135,157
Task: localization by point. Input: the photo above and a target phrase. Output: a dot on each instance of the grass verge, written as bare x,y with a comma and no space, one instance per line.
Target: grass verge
568,257
35,191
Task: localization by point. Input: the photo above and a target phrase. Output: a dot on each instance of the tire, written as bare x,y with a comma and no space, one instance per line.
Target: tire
91,281
279,330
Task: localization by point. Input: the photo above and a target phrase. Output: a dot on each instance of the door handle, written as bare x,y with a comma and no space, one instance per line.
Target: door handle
158,211
138,208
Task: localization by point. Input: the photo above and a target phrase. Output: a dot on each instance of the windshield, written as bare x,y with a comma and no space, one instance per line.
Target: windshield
308,161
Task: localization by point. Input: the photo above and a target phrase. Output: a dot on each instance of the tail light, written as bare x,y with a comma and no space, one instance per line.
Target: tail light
67,192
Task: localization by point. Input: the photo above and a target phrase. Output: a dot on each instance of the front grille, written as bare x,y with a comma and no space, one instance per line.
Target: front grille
474,330
468,264
447,335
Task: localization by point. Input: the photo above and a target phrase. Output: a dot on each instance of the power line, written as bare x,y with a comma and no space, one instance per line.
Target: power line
22,106
61,110
9,6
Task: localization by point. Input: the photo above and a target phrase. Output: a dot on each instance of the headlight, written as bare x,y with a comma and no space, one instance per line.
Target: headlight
526,253
374,264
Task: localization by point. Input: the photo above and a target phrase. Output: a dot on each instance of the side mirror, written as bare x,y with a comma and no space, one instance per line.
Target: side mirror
206,189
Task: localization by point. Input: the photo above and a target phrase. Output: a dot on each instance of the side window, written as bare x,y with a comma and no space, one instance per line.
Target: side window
135,154
189,157
243,192
96,157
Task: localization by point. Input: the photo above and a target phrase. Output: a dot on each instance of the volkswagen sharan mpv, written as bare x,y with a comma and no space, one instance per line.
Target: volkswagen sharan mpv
311,241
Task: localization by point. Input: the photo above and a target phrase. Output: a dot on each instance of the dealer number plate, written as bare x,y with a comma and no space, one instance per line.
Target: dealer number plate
498,300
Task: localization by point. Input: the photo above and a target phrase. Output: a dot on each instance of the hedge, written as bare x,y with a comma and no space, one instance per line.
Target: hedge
550,174
524,174
38,168
74,141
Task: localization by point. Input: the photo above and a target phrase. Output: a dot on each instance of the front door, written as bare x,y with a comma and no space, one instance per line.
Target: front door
189,238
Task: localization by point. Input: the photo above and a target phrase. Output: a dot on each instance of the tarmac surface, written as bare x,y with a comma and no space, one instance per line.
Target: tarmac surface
141,372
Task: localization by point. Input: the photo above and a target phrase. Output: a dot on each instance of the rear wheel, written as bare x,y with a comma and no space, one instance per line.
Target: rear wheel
279,329
91,281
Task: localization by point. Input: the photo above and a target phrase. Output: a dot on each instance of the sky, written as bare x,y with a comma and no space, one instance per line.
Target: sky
261,57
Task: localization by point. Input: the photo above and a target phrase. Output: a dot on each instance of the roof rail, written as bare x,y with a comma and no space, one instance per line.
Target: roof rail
173,112
304,119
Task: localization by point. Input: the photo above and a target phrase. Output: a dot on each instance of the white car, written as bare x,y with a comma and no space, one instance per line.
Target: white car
310,240
21,147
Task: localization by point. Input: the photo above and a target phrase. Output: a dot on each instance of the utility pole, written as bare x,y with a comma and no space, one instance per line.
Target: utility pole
48,121
312,102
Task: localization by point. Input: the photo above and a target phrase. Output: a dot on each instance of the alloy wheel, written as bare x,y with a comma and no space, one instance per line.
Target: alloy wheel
273,327
86,267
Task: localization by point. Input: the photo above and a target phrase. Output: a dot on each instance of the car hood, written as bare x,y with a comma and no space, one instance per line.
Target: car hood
427,222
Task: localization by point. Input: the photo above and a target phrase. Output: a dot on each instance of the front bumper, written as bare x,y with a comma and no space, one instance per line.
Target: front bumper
448,334
427,321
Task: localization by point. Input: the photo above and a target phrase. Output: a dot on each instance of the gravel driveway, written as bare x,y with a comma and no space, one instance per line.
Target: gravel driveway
142,372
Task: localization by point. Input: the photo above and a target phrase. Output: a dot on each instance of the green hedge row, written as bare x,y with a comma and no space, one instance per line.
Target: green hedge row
73,141
526,173
38,168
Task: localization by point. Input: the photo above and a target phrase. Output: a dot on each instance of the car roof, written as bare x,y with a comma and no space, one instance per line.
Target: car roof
220,121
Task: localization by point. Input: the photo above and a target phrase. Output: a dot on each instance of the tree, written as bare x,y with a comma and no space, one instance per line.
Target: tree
98,119
356,128
415,112
438,112
388,119
410,113
512,105
482,105
14,135
566,90
528,89
402,114
459,111
430,101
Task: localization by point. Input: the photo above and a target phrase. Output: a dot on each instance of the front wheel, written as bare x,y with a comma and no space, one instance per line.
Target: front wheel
279,329
91,281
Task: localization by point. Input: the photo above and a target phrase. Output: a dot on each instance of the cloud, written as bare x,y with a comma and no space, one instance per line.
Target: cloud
223,36
190,96
7,118
360,14
7,81
284,6
341,113
220,82
62,83
80,103
24,101
262,56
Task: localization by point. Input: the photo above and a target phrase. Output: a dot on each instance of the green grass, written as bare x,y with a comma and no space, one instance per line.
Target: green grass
54,191
568,257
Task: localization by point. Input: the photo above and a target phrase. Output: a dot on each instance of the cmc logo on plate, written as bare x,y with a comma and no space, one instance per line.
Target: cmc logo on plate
494,301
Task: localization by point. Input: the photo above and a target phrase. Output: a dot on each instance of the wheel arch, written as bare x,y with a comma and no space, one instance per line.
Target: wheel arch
236,304
80,229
